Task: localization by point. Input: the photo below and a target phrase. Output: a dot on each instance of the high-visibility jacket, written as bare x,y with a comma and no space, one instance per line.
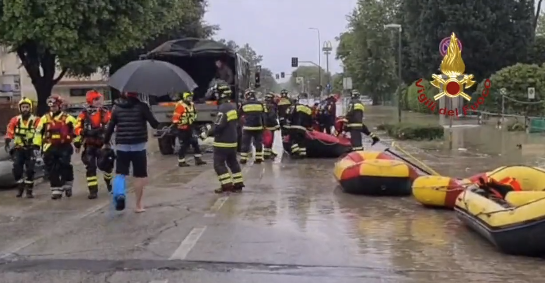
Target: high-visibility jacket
21,130
253,112
511,182
225,128
184,114
91,125
54,130
301,117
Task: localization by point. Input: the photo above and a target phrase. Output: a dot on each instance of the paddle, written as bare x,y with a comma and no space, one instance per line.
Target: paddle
428,171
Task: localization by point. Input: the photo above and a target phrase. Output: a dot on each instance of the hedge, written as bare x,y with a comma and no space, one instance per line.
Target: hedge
408,131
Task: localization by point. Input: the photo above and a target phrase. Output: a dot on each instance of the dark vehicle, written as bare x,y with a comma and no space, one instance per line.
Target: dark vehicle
197,57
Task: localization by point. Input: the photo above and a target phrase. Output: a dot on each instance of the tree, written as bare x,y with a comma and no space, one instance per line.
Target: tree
79,36
494,33
268,81
366,49
190,25
310,74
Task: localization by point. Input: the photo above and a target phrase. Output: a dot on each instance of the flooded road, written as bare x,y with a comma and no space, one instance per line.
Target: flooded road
290,225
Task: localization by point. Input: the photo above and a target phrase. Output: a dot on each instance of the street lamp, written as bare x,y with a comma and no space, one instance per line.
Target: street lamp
399,29
319,56
327,48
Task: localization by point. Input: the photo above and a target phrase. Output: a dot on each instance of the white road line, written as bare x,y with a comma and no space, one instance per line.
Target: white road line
188,243
216,206
159,281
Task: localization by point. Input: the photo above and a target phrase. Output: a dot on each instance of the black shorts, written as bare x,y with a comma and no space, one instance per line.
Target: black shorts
138,159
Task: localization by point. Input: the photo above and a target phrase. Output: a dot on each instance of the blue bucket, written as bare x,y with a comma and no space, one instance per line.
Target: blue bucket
119,192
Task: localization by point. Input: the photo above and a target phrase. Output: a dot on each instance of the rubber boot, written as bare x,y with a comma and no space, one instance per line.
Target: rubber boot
183,164
93,192
237,188
109,186
199,161
29,190
224,189
56,196
67,188
20,188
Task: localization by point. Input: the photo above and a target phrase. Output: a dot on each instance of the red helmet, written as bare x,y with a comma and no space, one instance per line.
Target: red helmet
55,100
92,95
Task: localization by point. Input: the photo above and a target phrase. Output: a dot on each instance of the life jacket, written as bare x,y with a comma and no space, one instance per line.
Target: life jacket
94,127
24,133
503,187
57,130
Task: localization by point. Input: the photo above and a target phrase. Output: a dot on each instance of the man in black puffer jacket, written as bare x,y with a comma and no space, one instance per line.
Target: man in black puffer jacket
130,118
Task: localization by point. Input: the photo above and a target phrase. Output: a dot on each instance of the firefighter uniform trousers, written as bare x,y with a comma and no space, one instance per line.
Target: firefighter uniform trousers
90,157
57,158
186,139
356,137
225,159
298,135
247,137
23,162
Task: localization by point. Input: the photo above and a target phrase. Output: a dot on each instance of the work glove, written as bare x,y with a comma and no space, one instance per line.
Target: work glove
374,138
7,145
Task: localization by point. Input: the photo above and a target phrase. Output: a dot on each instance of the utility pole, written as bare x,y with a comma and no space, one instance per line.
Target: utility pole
399,99
327,48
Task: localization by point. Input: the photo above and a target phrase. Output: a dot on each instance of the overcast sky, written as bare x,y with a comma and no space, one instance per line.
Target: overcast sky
279,29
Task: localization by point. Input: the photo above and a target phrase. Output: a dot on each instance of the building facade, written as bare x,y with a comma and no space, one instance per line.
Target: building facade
16,83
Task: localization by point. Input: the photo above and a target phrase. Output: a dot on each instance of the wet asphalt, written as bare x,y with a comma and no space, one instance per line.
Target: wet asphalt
291,224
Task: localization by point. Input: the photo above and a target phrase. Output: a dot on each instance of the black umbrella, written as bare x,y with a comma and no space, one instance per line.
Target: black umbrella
151,77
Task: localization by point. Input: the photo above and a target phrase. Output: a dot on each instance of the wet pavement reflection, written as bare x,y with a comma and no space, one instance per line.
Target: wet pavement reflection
292,224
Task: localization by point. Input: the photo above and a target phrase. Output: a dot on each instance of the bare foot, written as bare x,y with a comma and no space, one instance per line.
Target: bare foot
139,210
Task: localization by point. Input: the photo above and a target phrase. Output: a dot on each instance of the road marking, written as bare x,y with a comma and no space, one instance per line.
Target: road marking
159,281
216,206
188,243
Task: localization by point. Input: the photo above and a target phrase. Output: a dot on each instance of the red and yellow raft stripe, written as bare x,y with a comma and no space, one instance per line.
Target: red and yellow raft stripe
438,191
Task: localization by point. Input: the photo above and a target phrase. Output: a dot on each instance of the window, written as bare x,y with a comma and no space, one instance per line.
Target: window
79,91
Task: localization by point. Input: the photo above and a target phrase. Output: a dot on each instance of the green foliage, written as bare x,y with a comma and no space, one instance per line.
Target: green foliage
268,80
310,73
412,96
408,131
366,49
190,24
494,33
80,35
516,80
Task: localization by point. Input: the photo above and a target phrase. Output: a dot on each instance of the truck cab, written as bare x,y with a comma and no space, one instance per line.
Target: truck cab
197,57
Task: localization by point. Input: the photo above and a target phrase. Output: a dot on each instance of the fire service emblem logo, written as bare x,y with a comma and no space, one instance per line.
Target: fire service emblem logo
452,81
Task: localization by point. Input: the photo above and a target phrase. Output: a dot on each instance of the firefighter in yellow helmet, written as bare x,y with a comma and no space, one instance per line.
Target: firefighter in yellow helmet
20,131
54,134
183,118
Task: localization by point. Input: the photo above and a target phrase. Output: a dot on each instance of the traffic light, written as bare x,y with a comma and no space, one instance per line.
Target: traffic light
294,62
282,75
277,76
257,80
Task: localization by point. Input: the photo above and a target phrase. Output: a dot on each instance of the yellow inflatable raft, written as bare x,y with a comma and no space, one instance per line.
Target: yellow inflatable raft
375,177
438,191
516,224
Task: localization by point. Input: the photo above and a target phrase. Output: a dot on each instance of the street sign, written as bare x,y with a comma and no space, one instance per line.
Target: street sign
531,93
347,83
328,86
503,91
300,80
443,46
